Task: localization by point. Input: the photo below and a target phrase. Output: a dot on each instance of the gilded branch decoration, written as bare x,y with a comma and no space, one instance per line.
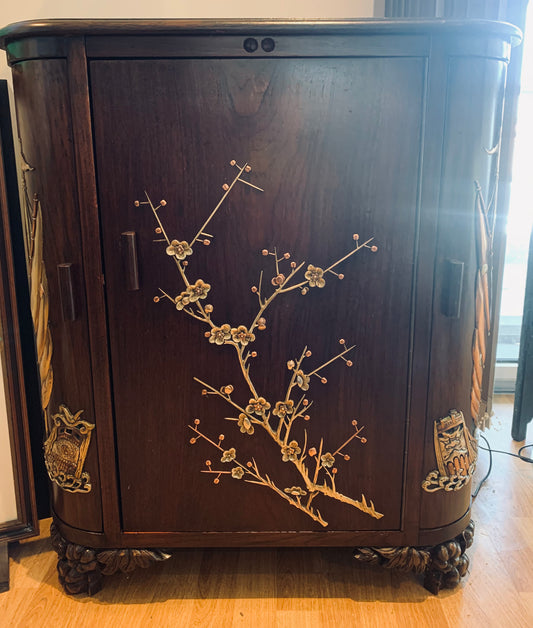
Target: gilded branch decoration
456,453
316,467
484,242
38,285
65,451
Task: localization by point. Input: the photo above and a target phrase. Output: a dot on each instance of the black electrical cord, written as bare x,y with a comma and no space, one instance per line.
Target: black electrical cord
474,494
524,458
498,451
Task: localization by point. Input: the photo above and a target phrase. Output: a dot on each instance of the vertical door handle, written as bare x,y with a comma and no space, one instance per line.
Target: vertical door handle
130,259
65,274
452,288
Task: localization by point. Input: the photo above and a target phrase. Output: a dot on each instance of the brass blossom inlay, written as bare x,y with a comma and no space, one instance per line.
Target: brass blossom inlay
290,451
327,460
228,455
245,424
241,335
237,473
295,490
283,408
315,276
180,250
258,406
219,335
198,291
302,380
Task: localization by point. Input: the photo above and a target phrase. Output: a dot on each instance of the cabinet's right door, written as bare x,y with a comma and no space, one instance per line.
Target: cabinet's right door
222,424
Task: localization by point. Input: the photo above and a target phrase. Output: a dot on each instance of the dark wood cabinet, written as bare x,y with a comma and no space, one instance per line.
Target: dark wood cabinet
376,138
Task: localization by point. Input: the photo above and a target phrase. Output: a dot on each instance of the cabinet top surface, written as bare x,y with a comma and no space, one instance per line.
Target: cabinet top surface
117,27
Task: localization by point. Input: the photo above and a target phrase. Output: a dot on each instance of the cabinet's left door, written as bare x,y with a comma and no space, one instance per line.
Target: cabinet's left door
44,105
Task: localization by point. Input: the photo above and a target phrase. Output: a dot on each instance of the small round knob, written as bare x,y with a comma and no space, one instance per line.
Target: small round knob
250,44
268,44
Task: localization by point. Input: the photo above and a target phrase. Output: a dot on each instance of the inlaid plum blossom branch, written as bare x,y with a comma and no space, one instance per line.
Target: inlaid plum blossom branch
251,474
258,413
275,417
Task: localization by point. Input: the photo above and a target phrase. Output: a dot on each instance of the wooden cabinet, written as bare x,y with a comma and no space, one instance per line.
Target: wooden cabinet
202,313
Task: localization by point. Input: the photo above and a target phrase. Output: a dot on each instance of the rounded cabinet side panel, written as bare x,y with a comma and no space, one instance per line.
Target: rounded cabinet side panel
463,297
56,277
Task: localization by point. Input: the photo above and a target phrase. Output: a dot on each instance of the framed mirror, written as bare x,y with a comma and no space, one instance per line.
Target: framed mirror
19,404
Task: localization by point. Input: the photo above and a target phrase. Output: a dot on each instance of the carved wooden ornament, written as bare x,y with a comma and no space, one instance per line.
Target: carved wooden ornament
65,451
443,565
81,568
456,453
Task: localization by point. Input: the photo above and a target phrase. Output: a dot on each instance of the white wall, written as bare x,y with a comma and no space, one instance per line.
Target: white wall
38,9
8,505
32,9
41,9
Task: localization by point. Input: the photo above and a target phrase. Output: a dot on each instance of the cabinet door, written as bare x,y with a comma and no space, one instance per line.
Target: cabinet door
335,145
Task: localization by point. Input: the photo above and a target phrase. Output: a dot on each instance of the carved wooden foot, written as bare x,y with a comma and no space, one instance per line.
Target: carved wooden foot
443,565
449,563
81,569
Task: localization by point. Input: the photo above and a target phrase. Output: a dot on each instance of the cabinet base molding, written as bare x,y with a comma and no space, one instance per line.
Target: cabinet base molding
443,565
81,568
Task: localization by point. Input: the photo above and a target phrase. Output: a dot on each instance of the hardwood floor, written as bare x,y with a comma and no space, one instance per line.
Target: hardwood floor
298,588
